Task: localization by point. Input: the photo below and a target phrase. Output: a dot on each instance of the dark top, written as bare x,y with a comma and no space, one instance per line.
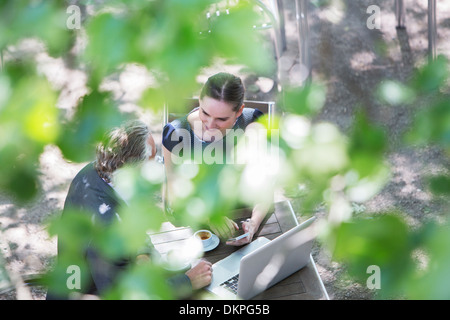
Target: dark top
89,193
179,138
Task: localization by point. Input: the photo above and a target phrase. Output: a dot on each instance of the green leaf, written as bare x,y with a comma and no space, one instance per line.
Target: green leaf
112,42
141,282
383,241
245,48
367,146
95,116
440,185
432,124
432,281
45,20
28,121
432,76
307,100
75,230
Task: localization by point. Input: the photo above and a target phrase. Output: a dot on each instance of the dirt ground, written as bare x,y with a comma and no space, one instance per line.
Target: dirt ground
348,57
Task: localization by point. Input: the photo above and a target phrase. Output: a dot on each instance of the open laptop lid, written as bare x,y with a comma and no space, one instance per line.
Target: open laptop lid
276,260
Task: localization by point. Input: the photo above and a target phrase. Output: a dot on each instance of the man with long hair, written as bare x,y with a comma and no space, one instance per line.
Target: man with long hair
92,191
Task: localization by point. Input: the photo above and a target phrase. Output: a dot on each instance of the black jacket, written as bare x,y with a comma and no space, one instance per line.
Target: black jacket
89,193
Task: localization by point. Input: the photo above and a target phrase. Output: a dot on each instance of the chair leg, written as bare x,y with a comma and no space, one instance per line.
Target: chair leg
400,14
165,114
280,9
432,29
301,7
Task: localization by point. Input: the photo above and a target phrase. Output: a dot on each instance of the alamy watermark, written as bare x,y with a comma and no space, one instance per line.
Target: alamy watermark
74,19
73,281
235,146
374,280
374,21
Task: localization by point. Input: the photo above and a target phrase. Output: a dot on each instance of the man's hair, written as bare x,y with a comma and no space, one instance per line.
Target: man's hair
122,145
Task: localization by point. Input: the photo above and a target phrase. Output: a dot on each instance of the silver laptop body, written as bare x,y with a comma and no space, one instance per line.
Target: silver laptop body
262,263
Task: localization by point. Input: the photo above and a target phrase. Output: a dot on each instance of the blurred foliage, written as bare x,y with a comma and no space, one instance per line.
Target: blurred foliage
75,231
95,114
383,241
28,121
137,284
307,101
413,262
45,20
164,36
173,40
197,200
4,277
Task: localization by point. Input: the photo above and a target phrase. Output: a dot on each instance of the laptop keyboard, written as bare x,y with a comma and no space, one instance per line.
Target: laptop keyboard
231,284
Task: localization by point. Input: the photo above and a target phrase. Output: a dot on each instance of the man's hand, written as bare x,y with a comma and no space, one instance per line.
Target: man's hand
200,275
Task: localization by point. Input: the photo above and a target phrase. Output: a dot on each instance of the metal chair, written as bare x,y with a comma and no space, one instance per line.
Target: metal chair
400,14
273,11
301,14
266,107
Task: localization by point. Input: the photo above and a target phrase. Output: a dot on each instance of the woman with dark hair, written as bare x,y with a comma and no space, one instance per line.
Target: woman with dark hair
221,113
92,192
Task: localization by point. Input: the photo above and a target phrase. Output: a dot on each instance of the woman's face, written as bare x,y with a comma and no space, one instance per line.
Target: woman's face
217,115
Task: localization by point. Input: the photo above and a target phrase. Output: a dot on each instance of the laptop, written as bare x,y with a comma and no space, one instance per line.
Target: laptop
262,263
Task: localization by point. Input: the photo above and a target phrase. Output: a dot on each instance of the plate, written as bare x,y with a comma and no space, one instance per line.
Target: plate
215,242
174,261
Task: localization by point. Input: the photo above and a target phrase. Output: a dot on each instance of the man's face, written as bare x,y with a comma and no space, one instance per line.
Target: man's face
151,143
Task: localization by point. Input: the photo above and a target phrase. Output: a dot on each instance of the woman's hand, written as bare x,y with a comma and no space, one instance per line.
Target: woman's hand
249,226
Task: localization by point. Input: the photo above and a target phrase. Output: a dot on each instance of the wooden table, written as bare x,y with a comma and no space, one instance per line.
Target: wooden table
305,284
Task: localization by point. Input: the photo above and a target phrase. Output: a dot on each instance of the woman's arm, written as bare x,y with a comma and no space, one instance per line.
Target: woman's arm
252,225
